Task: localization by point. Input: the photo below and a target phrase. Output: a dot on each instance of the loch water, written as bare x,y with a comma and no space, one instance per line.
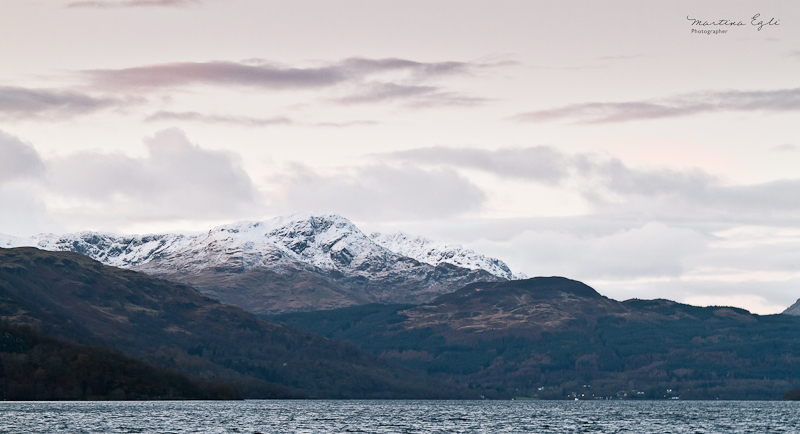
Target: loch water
442,417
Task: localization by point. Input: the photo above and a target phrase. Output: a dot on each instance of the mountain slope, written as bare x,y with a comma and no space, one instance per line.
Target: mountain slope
531,305
40,368
555,337
793,309
433,253
71,297
298,262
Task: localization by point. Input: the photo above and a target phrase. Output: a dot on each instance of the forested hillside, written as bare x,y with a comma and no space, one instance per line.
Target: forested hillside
74,298
555,338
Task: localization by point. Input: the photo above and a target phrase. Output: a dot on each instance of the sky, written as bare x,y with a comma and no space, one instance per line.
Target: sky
648,149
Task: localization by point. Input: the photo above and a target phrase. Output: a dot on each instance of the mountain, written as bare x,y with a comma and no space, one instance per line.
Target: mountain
68,296
292,263
793,309
551,337
523,306
431,252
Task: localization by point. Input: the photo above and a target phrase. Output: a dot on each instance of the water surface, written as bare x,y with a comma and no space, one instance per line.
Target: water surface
401,417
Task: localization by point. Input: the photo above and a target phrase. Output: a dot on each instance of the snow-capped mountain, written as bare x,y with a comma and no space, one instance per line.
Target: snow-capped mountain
110,249
434,253
296,262
328,242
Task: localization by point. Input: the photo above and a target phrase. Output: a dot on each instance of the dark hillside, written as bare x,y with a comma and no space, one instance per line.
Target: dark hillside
540,288
36,367
74,298
555,338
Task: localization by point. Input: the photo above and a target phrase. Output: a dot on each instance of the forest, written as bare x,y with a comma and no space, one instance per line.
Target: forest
701,355
34,367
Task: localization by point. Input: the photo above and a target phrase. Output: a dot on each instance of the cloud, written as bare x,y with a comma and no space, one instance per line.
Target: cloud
444,99
379,192
540,163
168,75
421,70
167,116
176,180
681,105
689,194
264,75
620,57
601,62
18,160
748,250
24,211
420,96
131,3
19,102
379,92
651,250
776,197
22,174
649,231
359,80
753,268
613,186
614,177
547,165
756,303
786,147
218,119
761,297
345,124
408,88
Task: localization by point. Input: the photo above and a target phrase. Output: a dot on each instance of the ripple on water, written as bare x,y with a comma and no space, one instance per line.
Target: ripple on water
408,417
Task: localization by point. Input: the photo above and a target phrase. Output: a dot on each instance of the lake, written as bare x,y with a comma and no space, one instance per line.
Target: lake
313,416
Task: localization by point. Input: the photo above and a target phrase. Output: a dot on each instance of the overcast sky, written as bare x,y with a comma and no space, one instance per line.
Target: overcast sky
649,149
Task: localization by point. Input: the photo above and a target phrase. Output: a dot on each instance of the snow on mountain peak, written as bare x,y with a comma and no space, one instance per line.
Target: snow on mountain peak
324,241
327,241
434,253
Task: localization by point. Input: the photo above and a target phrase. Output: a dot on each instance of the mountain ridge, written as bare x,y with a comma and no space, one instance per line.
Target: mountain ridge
281,237
296,262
